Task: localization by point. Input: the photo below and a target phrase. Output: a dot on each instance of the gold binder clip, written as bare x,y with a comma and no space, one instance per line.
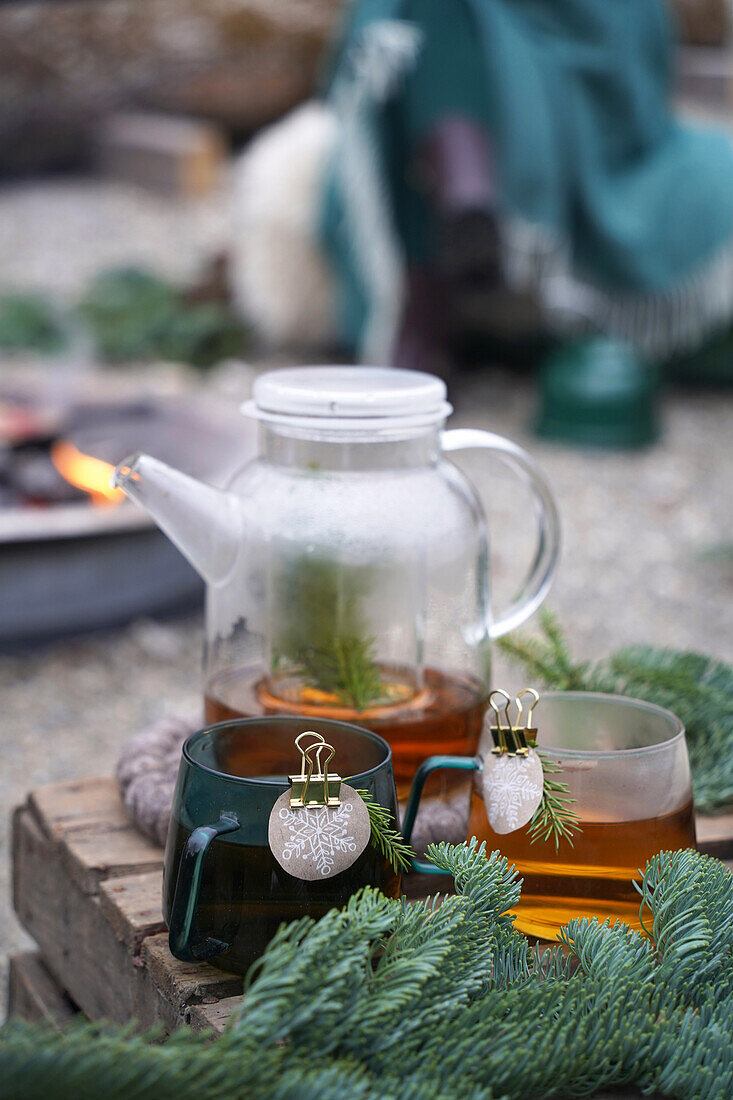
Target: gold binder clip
511,738
315,786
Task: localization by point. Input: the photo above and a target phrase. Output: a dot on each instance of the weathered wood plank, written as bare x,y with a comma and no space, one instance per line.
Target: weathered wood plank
60,806
33,994
184,984
78,944
133,906
212,1017
102,853
96,840
715,835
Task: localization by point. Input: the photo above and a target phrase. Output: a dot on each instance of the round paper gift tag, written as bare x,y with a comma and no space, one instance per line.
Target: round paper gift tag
319,842
512,790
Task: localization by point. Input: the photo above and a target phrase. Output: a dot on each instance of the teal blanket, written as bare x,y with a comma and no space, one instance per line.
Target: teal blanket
618,215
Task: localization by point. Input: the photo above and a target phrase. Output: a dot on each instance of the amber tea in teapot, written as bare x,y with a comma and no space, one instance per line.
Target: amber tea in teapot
626,773
444,716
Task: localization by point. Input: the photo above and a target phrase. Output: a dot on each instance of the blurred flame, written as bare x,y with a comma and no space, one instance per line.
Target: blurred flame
85,472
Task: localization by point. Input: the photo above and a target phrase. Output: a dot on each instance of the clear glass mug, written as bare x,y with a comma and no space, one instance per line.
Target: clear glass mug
347,565
224,893
626,766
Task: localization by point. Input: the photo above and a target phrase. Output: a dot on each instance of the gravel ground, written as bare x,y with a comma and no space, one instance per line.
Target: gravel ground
639,531
55,236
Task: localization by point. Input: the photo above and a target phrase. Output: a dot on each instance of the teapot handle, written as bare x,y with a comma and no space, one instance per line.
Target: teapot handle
541,571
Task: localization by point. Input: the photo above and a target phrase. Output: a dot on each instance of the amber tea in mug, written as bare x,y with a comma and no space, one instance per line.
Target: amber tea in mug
625,763
626,766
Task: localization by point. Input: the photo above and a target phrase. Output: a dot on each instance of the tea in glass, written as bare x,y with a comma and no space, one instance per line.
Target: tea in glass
625,764
626,767
224,893
246,895
591,879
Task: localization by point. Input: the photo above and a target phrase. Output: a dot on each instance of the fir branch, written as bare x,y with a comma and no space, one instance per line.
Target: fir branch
388,840
687,911
547,659
490,882
319,632
554,816
427,1002
696,687
349,669
609,951
699,690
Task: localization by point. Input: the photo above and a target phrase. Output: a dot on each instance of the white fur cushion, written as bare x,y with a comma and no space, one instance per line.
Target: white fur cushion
281,280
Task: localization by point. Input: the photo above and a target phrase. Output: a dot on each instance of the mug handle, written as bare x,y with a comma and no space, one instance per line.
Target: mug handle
432,764
541,571
186,897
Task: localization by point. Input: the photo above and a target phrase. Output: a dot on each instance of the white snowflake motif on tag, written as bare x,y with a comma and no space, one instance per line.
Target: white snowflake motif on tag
512,790
319,841
317,833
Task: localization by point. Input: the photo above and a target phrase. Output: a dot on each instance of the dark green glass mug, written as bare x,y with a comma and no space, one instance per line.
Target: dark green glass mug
224,893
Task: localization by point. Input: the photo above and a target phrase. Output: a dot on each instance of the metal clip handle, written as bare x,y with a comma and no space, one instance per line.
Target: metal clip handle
535,700
300,783
499,732
319,787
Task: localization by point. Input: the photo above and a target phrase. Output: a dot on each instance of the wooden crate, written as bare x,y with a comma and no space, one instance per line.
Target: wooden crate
87,887
34,995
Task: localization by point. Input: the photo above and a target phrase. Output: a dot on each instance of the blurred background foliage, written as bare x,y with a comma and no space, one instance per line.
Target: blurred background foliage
130,315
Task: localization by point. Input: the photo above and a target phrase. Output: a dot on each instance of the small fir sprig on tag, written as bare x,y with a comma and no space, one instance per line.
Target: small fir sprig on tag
554,817
385,837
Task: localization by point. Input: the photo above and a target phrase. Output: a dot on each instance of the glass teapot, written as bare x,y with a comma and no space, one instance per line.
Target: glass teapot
348,564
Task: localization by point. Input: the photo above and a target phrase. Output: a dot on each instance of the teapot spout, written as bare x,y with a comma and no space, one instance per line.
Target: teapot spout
204,523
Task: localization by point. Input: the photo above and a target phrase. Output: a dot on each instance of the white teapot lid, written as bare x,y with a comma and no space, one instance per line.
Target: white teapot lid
349,398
